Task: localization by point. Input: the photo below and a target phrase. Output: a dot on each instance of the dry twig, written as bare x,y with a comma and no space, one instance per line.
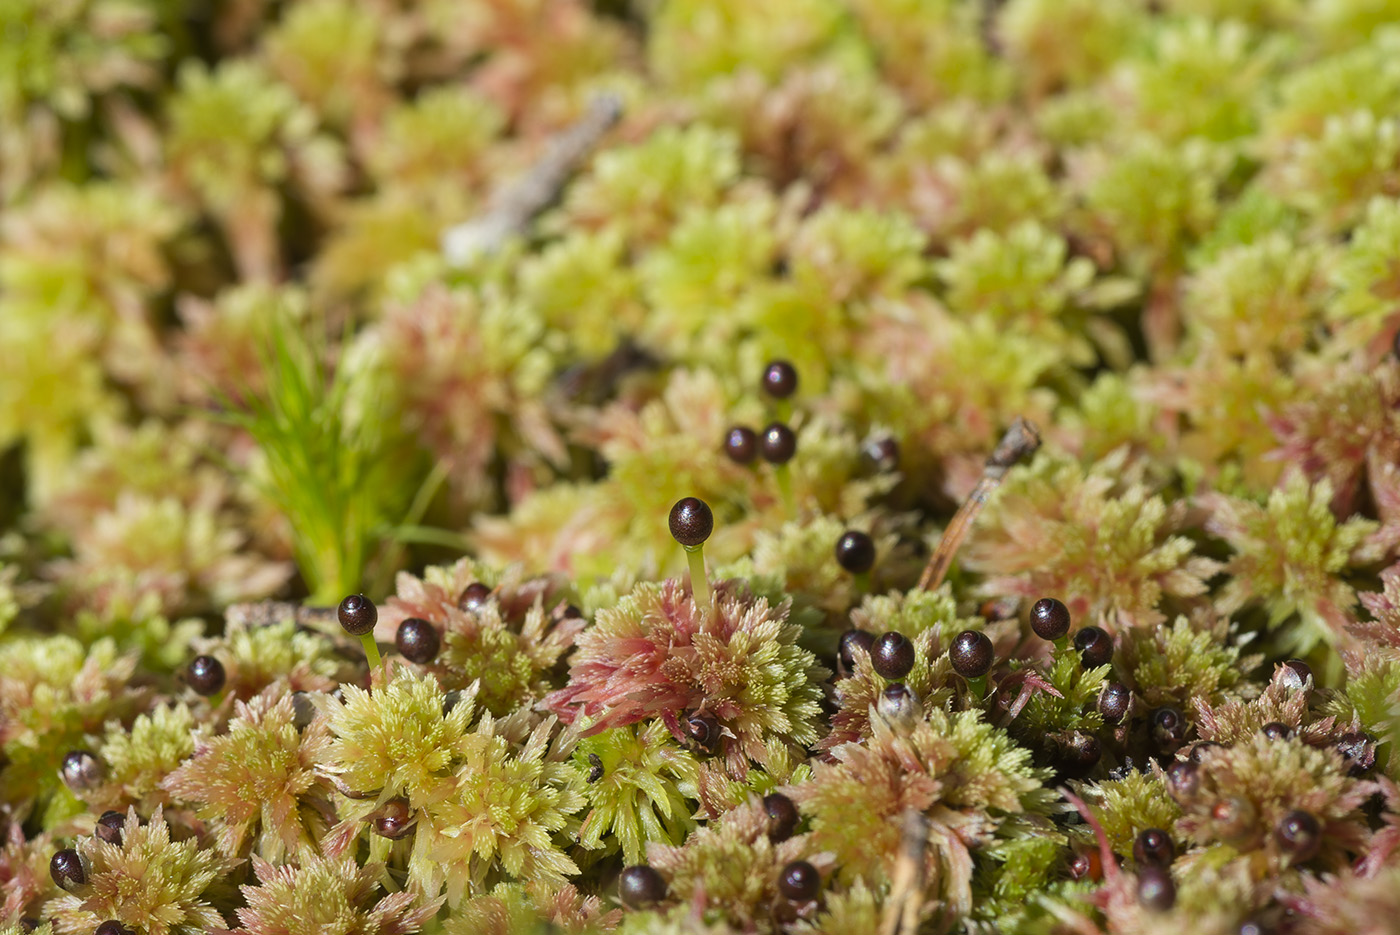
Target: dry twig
1020,441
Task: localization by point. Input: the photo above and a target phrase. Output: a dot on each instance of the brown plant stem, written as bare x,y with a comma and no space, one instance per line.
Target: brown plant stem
516,204
1020,441
907,883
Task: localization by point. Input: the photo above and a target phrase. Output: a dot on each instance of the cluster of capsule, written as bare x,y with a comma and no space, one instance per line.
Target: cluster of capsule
778,442
70,871
798,885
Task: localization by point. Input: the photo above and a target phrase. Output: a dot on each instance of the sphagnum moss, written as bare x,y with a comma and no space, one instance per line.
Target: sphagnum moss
803,263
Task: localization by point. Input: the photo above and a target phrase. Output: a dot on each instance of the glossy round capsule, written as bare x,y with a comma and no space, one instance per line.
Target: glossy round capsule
852,640
1049,619
68,869
1276,730
81,770
205,675
779,379
1358,749
778,443
395,819
357,615
303,710
28,924
1085,865
1154,846
892,655
703,729
800,882
1078,755
1168,727
1296,674
595,768
1155,889
971,654
855,551
691,521
1114,700
1299,835
417,640
882,454
474,596
741,444
112,927
782,817
1095,647
109,827
1232,819
1183,780
640,886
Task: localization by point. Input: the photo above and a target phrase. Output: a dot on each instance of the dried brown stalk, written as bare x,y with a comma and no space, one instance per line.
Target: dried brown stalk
1020,441
516,204
907,883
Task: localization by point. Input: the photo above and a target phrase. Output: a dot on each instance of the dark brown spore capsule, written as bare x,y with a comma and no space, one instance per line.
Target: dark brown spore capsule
1078,755
882,454
704,730
1095,647
1085,865
778,443
28,924
357,615
850,641
1155,889
450,701
855,551
782,817
800,882
595,768
898,703
1168,727
1358,750
971,654
112,927
1199,750
1183,780
68,869
640,886
1049,619
892,655
109,827
741,444
1114,700
1276,730
417,640
1297,673
81,770
303,710
1154,846
394,820
1233,820
474,596
1299,835
691,521
779,379
205,675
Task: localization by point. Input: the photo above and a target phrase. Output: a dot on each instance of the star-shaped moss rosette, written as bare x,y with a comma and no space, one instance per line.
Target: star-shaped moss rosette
254,784
148,882
658,655
318,892
507,636
965,776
